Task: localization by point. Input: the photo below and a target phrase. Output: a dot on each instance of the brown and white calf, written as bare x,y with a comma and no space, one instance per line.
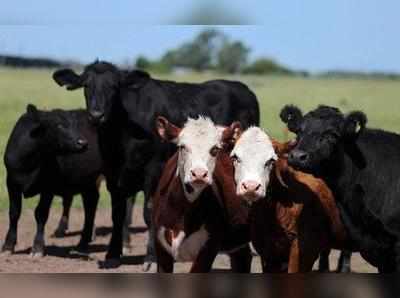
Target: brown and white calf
195,215
293,215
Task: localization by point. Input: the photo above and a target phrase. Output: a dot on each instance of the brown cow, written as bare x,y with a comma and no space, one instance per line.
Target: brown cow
293,215
195,215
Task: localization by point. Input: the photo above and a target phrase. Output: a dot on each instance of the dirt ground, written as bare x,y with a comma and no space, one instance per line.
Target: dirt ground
58,258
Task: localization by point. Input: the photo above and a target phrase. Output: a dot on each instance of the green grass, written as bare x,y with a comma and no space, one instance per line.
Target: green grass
378,98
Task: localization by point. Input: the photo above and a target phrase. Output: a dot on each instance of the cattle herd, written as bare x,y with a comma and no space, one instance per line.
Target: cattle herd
213,181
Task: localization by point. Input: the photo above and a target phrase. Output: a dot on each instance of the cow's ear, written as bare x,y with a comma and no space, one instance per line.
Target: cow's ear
292,116
67,77
135,79
166,130
354,124
231,134
33,112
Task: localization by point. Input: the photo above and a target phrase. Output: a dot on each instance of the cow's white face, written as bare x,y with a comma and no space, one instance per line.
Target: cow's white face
253,156
199,142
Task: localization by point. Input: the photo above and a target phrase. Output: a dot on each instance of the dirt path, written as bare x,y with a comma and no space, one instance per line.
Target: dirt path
58,258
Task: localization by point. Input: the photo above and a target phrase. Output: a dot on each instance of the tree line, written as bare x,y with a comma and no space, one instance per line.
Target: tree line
210,50
213,50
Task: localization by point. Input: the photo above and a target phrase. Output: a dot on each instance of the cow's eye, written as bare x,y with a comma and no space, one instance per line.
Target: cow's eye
323,139
60,126
214,151
269,163
235,159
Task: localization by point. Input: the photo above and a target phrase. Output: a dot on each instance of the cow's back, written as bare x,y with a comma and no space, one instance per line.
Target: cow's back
222,101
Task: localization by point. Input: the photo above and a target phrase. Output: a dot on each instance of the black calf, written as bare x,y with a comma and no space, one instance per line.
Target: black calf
52,153
362,168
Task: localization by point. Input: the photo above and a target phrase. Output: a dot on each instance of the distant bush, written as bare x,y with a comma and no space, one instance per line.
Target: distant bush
16,61
264,66
142,62
232,57
358,75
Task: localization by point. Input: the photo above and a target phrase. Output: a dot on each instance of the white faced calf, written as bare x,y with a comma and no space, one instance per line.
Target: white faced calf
253,156
199,142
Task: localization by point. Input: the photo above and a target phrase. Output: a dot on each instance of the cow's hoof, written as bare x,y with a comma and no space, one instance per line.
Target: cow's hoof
149,267
59,233
126,250
109,263
37,254
7,250
344,270
80,252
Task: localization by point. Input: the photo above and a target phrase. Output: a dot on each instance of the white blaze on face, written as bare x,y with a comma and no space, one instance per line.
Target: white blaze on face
198,143
253,157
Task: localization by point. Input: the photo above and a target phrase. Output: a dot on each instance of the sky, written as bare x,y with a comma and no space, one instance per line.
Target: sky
309,35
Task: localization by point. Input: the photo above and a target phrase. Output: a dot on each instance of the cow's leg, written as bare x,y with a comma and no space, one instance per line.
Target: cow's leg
241,260
302,259
14,213
62,227
387,267
150,258
130,203
397,257
323,265
271,264
165,262
344,264
118,211
90,200
41,216
205,258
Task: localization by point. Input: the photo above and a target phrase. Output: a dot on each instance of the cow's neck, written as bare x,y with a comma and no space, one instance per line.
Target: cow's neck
337,169
191,194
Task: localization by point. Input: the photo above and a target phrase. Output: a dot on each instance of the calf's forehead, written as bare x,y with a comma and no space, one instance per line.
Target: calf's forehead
199,133
320,125
254,144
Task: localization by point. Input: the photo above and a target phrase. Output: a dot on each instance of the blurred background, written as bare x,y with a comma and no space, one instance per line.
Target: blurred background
343,53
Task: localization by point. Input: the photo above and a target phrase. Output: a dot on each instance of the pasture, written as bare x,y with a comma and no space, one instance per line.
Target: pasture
378,98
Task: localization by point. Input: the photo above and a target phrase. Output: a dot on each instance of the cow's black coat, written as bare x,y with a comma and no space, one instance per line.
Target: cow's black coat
362,167
126,104
52,153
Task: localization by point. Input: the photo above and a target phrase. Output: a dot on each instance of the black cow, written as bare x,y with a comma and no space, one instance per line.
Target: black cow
52,153
125,105
362,167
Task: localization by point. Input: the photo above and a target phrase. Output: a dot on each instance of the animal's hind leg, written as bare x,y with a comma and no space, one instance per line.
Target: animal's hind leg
344,264
41,216
241,260
130,203
90,201
150,259
15,198
323,265
118,211
205,258
165,262
62,227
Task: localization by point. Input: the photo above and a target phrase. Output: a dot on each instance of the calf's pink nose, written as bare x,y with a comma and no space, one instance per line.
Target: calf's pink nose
250,186
199,174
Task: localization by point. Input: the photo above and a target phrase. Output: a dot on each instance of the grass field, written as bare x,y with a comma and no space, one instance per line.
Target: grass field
380,99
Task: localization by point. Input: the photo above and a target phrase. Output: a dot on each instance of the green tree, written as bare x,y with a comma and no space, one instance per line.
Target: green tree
198,54
266,66
232,57
142,62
